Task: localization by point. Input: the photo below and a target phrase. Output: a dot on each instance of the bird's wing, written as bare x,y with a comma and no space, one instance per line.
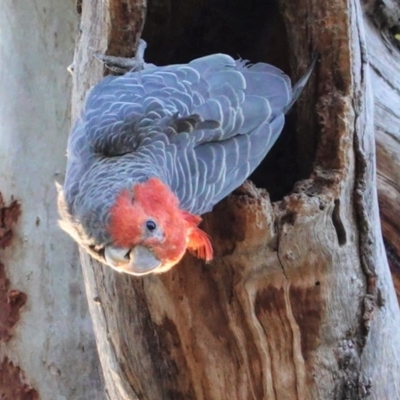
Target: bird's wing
207,125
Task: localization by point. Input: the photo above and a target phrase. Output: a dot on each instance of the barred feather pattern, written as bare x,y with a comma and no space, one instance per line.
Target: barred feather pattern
201,128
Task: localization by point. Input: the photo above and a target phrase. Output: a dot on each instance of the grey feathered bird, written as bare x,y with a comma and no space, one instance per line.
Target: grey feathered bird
156,148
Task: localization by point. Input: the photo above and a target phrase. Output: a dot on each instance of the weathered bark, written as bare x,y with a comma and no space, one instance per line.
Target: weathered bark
299,301
47,349
383,49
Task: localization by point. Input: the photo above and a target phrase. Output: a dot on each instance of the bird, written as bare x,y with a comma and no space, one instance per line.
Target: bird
159,146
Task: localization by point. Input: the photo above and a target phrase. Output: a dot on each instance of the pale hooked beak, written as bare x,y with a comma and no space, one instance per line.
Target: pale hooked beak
138,260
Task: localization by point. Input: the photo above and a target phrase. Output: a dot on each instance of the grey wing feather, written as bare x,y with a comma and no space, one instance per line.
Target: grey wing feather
202,128
249,103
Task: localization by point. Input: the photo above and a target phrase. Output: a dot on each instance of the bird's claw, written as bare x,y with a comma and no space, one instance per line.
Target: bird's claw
122,65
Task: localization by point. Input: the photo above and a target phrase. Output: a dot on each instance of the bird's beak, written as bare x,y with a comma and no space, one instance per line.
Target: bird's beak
138,260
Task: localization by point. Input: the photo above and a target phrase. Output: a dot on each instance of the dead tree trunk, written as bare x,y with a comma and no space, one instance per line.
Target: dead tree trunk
299,302
382,29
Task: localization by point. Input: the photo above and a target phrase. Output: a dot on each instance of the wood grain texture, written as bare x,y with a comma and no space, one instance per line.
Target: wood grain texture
299,302
381,22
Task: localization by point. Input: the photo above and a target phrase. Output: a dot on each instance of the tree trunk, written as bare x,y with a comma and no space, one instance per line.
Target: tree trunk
47,349
383,49
299,301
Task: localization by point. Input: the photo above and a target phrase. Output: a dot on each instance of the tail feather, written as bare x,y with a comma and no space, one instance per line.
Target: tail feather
299,86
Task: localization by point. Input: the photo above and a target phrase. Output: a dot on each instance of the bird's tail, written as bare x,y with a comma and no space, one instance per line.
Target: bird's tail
299,86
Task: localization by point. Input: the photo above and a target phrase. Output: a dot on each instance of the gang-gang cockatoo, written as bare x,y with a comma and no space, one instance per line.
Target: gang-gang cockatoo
154,149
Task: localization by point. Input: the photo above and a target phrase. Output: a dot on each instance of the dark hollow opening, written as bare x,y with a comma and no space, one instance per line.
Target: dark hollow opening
178,31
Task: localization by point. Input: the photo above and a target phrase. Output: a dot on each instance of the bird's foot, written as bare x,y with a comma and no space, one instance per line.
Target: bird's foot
121,65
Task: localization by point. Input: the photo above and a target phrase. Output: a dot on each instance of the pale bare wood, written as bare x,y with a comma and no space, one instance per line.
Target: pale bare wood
384,57
108,27
299,302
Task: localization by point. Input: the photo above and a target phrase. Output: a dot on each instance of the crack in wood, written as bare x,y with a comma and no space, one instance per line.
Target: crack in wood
338,224
387,81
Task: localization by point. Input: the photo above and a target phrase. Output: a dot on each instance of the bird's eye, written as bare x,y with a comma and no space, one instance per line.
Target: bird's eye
151,225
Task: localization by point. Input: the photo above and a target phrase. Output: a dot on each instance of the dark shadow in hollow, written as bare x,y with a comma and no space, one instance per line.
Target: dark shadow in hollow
179,30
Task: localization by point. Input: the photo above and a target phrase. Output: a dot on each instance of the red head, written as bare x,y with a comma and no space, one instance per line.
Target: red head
150,232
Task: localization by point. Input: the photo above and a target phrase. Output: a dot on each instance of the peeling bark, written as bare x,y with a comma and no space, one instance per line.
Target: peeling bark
13,385
8,217
11,301
299,302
